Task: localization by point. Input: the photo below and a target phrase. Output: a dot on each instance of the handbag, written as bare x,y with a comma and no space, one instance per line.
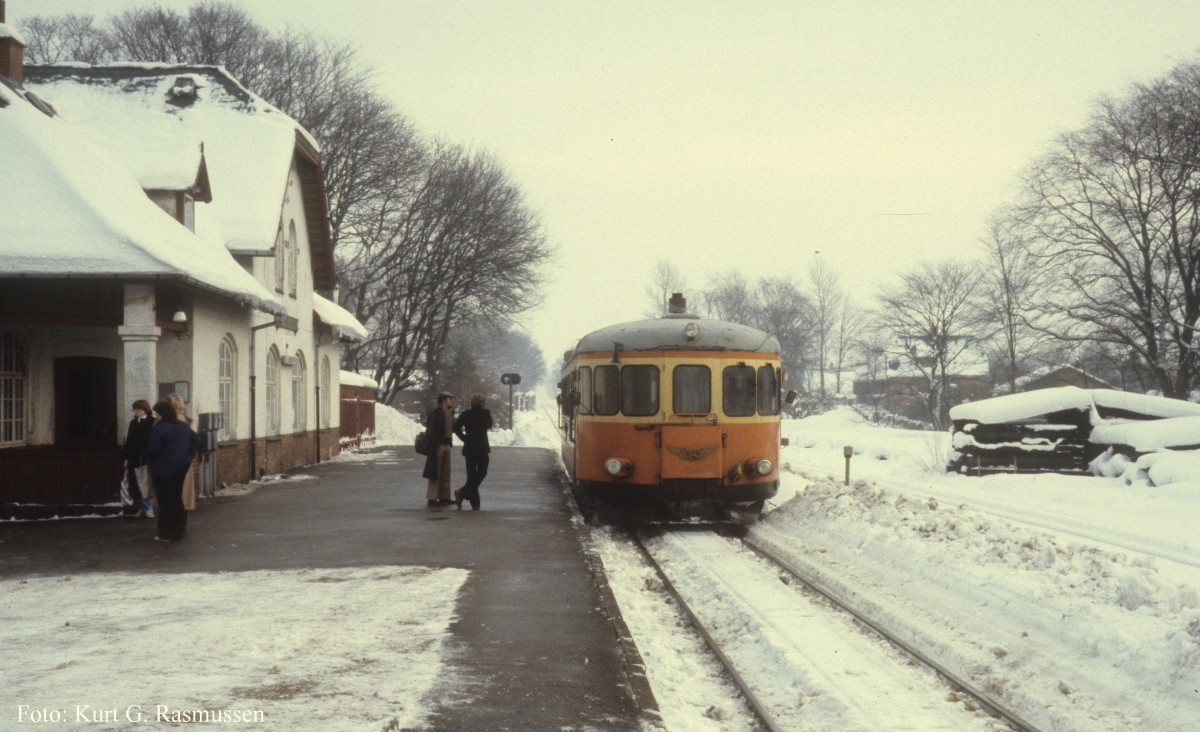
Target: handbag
189,490
421,443
126,496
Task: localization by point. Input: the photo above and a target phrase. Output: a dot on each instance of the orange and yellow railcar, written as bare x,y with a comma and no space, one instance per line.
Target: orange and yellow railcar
675,411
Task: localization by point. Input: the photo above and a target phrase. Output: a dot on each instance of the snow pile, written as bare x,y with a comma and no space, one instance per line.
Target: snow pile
533,429
1076,599
356,658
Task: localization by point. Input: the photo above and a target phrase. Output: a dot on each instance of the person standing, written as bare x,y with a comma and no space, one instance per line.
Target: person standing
136,439
170,451
189,480
472,428
439,429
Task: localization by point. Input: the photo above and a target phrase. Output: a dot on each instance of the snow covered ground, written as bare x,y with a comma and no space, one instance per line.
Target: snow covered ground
1076,599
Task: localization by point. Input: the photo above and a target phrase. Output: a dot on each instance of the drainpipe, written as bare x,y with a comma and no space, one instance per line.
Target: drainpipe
274,323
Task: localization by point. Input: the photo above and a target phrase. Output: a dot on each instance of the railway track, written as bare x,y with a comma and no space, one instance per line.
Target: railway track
803,660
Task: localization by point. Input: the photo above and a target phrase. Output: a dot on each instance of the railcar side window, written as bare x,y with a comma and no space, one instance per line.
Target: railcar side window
607,390
692,390
738,385
768,391
639,391
585,390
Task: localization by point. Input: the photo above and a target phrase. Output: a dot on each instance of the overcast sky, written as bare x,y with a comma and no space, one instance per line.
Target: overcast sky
740,135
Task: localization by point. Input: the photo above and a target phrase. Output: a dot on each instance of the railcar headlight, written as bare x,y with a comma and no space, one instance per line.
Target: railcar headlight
617,467
691,331
762,466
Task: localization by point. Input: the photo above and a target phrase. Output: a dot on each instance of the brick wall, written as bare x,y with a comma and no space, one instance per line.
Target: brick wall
274,454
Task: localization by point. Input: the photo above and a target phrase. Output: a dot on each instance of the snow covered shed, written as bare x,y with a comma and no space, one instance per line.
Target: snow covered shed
358,408
1060,429
165,229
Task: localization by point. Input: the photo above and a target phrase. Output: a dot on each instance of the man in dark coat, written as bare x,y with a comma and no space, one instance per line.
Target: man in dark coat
136,440
438,429
472,428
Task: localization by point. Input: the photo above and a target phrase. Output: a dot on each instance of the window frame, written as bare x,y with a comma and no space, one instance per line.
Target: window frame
626,388
300,394
726,391
272,392
773,397
14,388
584,380
326,392
293,258
227,386
616,390
675,391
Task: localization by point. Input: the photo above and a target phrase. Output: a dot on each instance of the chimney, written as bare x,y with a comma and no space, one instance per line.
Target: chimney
12,51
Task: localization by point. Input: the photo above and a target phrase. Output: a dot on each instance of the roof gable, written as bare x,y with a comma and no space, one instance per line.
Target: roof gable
159,115
70,210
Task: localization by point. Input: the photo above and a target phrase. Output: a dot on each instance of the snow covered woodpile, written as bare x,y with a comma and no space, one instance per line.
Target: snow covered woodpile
1060,430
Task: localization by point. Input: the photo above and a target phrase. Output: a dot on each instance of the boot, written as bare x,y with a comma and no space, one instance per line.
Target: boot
458,498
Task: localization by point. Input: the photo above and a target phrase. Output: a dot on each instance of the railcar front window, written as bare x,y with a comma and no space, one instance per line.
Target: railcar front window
738,386
585,390
639,391
692,392
768,391
607,390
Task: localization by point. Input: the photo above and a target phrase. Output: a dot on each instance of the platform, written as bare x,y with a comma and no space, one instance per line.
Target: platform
531,635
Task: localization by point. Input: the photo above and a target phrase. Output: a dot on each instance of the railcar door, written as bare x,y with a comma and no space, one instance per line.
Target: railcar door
691,439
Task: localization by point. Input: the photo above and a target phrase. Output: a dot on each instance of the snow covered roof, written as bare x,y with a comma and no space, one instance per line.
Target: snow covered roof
8,31
668,333
339,318
1031,404
157,116
349,378
70,210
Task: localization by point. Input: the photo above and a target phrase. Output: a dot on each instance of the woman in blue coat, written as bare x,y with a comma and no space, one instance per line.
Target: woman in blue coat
169,453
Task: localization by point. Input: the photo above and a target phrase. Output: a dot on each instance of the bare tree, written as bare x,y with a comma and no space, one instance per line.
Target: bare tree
51,39
846,336
930,312
459,246
827,300
1114,213
216,33
1009,285
730,297
665,281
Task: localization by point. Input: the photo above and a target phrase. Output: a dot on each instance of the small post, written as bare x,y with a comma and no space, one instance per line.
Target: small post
848,452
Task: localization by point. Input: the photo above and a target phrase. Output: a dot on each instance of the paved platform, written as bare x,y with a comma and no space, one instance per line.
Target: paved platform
531,636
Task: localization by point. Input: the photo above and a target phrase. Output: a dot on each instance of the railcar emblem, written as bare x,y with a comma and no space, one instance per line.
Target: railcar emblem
691,454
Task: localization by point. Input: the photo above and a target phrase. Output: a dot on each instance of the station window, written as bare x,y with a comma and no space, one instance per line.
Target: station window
607,393
639,391
738,387
585,390
768,391
692,391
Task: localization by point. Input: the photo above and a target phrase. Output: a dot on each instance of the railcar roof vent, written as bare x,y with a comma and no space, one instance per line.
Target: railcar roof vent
677,304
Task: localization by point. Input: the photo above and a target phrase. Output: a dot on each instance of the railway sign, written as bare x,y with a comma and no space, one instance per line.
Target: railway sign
510,380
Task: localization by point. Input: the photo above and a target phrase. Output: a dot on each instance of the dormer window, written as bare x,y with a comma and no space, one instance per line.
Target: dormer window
183,92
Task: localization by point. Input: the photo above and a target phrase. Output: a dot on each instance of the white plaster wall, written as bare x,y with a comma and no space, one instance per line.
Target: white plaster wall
213,319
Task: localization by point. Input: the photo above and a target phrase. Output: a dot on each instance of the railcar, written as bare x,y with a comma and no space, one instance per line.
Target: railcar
679,412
